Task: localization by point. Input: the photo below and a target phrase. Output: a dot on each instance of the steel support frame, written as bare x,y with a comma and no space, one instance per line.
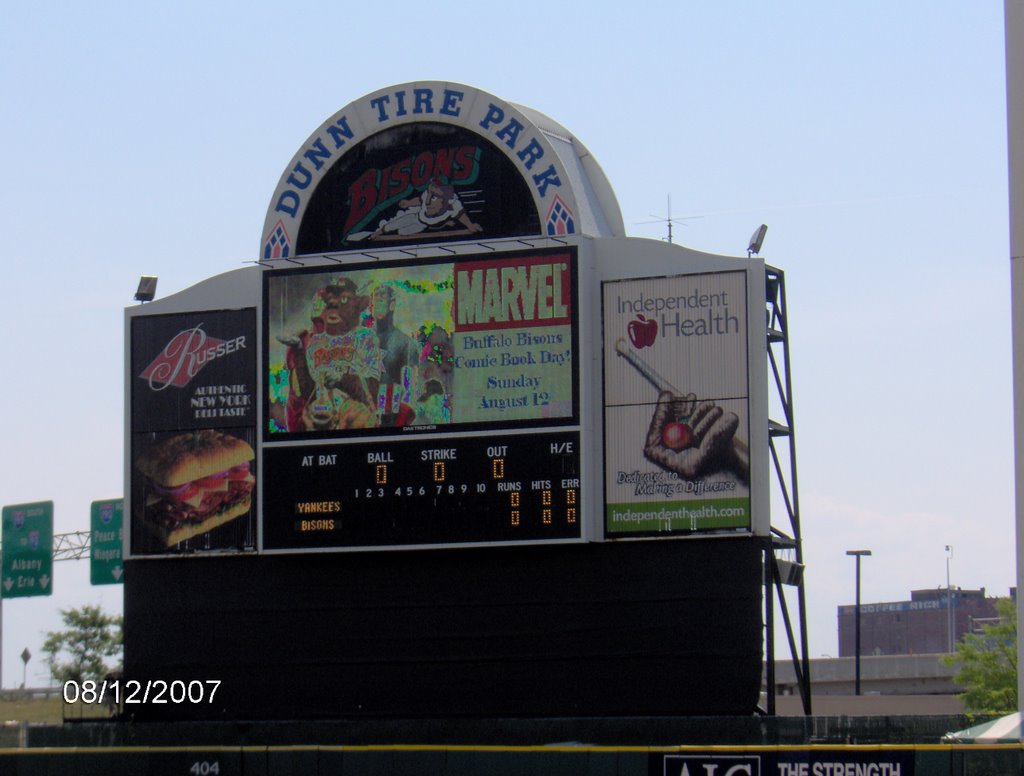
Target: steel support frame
787,540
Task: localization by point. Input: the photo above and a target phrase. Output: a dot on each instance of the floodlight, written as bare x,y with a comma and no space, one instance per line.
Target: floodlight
754,246
790,573
147,289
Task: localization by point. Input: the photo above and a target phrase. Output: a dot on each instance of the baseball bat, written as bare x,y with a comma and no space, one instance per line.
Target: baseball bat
623,349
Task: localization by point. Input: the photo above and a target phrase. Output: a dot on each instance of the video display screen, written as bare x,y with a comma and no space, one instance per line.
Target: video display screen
487,340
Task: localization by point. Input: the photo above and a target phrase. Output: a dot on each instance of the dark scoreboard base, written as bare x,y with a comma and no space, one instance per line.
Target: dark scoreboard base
640,628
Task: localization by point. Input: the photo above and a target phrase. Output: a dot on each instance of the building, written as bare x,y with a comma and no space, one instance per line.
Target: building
891,685
932,621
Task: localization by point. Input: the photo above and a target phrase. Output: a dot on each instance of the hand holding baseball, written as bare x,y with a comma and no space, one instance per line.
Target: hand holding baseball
692,439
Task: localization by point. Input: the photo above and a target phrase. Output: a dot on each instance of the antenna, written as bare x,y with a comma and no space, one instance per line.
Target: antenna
669,219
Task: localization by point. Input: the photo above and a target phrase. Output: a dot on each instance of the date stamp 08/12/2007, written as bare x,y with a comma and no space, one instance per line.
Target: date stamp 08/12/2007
133,691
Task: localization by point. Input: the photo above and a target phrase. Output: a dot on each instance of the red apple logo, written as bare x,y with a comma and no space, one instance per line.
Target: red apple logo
642,331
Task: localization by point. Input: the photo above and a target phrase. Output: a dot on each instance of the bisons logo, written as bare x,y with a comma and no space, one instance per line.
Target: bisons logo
414,195
642,331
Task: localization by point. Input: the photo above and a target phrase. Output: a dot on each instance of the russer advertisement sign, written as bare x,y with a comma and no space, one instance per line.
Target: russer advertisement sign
677,420
193,442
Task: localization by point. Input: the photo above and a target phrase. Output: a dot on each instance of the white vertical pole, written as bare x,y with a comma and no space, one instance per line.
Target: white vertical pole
1013,11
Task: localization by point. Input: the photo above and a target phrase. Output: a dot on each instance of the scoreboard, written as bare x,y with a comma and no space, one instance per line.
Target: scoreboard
422,403
447,341
506,488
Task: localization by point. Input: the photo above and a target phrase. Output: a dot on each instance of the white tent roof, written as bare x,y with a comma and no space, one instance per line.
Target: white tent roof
1004,730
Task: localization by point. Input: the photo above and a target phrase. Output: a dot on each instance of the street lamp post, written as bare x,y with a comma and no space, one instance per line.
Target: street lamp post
858,554
949,598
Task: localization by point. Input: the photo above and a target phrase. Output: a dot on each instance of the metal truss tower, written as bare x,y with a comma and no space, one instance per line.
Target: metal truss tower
784,563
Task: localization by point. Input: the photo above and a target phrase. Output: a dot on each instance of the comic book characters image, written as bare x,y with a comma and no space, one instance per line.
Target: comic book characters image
437,209
436,359
359,351
335,365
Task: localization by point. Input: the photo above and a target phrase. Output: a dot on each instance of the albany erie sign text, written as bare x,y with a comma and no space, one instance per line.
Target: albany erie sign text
427,103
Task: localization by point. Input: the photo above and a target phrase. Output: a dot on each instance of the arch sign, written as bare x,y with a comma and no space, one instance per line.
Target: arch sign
420,163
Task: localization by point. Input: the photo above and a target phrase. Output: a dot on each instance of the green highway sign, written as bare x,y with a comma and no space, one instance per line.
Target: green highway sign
26,560
105,542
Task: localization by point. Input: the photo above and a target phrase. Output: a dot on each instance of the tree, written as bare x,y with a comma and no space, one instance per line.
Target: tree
79,651
988,664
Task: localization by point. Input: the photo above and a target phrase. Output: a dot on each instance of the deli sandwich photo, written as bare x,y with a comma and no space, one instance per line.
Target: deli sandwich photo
191,484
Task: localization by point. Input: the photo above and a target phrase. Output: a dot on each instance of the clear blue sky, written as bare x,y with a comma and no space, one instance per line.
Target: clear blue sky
869,136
